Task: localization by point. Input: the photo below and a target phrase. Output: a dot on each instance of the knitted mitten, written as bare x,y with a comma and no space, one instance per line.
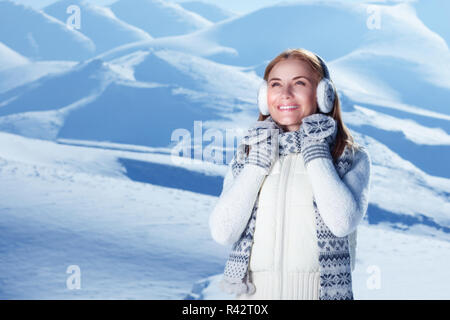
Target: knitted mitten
263,144
318,132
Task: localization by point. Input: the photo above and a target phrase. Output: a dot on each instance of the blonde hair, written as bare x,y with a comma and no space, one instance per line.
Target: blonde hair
343,136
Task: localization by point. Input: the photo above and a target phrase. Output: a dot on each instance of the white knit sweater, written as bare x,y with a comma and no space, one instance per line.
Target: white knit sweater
341,203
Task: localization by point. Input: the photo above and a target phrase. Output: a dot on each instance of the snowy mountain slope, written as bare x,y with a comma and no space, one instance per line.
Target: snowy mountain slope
41,4
40,36
196,73
159,18
434,14
16,70
196,46
130,247
131,114
10,59
259,40
403,35
56,91
99,24
25,112
36,4
187,91
145,84
209,11
390,81
426,146
391,172
20,75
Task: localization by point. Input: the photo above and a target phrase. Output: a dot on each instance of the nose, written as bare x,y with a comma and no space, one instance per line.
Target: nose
287,91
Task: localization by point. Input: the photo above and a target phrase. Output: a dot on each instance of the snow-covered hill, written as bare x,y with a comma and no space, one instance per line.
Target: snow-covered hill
207,10
259,40
14,77
39,36
159,18
50,92
65,205
99,24
434,14
123,100
10,59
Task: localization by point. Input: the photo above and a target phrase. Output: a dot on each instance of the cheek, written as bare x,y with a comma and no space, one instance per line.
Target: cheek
271,97
309,96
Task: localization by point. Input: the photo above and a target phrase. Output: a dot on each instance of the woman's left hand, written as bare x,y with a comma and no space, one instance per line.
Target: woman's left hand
318,132
317,128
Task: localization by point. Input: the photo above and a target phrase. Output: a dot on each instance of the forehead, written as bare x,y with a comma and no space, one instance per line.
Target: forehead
290,68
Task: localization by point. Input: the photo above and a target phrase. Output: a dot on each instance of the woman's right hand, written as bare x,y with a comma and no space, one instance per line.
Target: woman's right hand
262,139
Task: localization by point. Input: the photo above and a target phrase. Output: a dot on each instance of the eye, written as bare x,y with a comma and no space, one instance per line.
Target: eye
301,82
274,83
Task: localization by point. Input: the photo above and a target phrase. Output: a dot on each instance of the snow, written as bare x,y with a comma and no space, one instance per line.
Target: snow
99,24
205,73
209,11
30,36
40,4
431,195
404,36
83,79
436,20
159,18
121,249
413,131
167,78
10,59
17,76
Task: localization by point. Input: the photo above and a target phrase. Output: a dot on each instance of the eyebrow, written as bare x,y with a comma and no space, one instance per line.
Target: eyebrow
292,78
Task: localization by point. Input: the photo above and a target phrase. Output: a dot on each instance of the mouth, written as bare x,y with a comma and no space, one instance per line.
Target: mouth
288,107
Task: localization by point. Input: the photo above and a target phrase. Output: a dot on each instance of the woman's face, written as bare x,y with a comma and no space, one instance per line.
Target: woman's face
291,82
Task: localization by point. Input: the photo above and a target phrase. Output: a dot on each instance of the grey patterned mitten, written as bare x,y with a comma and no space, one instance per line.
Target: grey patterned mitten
318,132
263,143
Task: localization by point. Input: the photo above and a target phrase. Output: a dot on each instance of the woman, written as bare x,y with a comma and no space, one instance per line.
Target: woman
295,190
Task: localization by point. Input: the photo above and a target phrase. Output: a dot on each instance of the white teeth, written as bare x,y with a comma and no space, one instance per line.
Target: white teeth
288,107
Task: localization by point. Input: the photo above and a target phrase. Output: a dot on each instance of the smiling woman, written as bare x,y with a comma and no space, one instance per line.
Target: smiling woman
291,92
295,191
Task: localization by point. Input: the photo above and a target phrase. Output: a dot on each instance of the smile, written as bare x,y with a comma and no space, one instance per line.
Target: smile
288,108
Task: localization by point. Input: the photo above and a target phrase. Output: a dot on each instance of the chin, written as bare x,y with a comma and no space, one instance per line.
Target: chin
288,120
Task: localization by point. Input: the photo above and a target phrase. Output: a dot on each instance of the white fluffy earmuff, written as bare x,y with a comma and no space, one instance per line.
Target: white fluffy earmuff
325,92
